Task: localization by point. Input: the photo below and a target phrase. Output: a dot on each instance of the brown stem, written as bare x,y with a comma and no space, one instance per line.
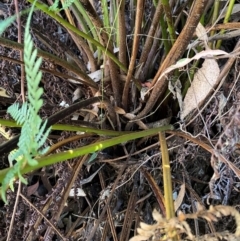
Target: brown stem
85,78
175,53
21,52
150,37
138,23
53,72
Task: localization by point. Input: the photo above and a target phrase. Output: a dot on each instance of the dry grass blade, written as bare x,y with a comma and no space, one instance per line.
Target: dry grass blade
149,40
43,211
128,52
129,214
47,221
109,213
122,33
107,42
220,81
156,190
198,199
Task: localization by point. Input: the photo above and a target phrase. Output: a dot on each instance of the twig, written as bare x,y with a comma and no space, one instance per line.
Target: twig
47,221
138,24
14,211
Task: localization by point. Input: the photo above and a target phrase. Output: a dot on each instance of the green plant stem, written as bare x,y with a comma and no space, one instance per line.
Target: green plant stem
53,72
108,43
64,127
88,26
168,13
63,156
226,19
214,18
106,22
167,182
65,24
55,118
166,43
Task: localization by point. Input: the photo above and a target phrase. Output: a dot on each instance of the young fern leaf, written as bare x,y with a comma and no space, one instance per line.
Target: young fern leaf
33,134
19,114
65,4
54,7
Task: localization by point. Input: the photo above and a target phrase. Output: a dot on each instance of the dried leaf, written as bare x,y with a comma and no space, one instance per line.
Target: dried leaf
96,76
119,110
201,33
157,216
139,238
145,233
203,54
148,227
32,189
181,194
203,83
77,94
3,92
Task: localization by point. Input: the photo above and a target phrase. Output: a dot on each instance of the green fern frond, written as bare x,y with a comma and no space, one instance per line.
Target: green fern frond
40,138
19,114
8,21
33,134
54,7
8,180
33,75
66,4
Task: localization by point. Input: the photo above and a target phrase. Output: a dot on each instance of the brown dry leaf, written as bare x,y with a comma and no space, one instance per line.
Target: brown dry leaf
77,94
202,84
202,34
204,80
157,216
203,54
32,189
119,110
180,197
